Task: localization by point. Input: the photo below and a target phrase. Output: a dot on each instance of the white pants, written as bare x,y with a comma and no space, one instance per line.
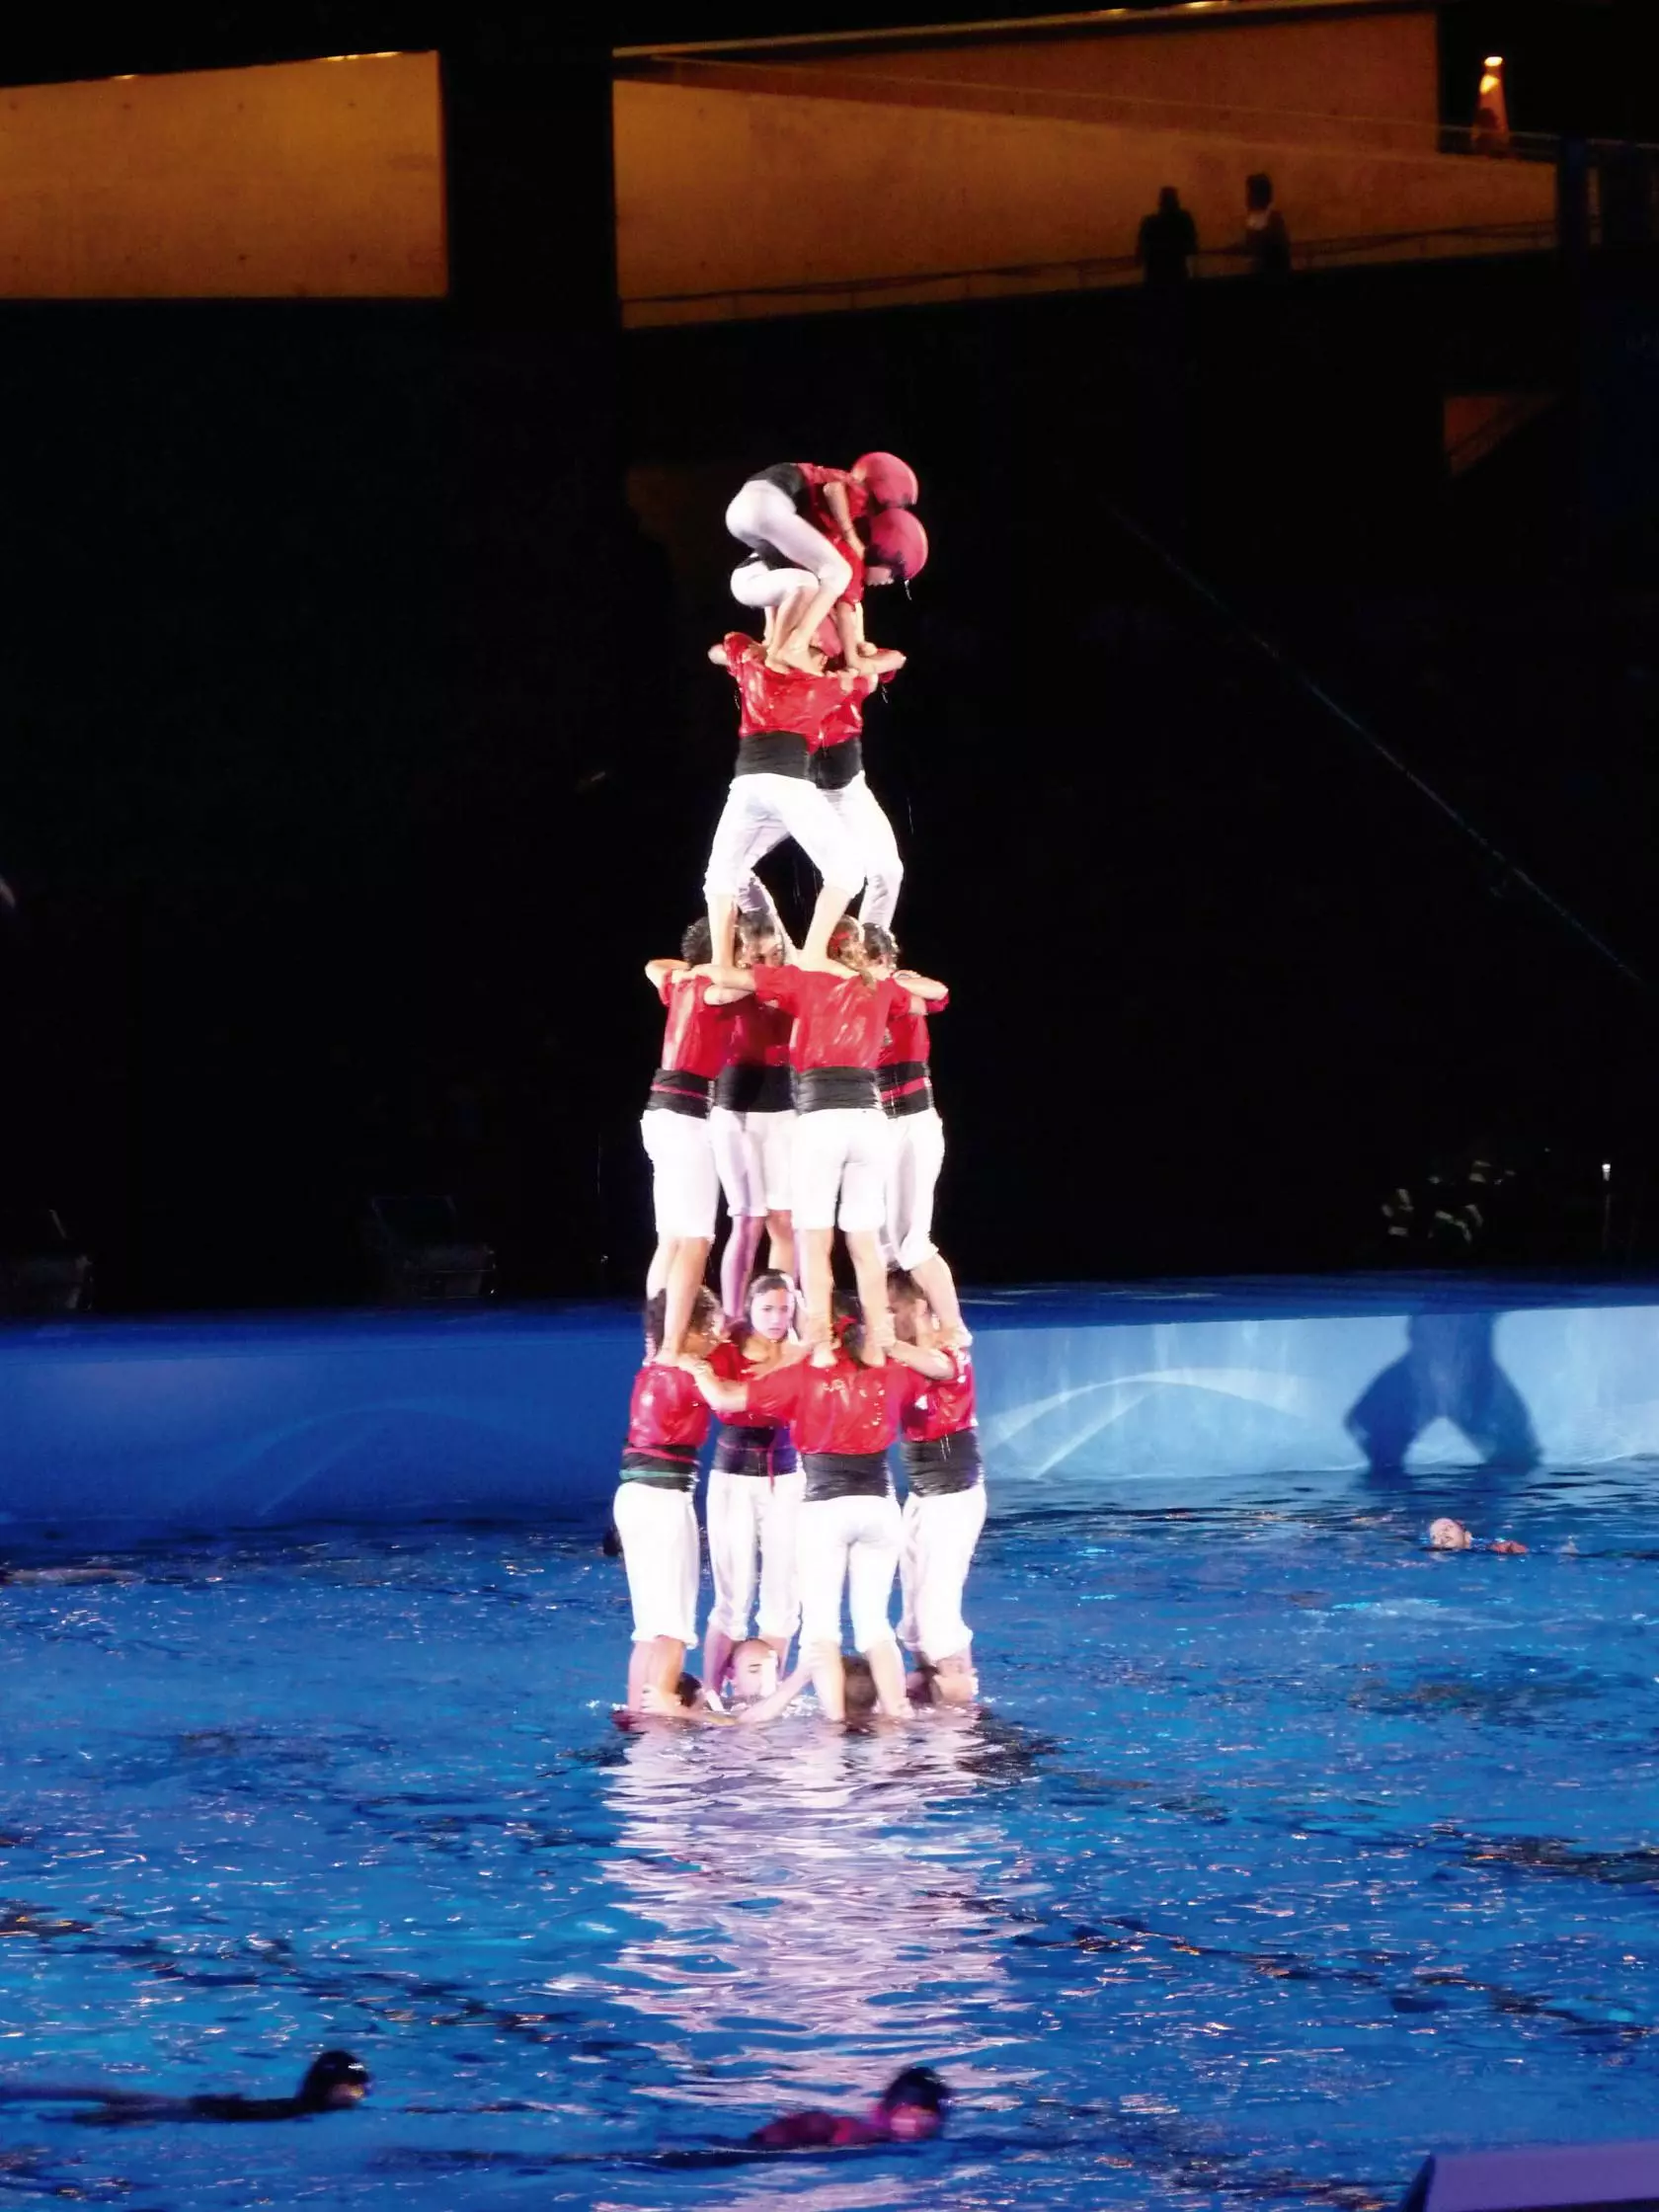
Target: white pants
684,1183
863,817
938,1547
760,811
764,517
750,1514
915,1153
853,1541
753,1150
838,1168
659,1532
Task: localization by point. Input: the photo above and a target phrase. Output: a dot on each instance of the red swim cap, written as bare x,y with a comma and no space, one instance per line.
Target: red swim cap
889,481
895,540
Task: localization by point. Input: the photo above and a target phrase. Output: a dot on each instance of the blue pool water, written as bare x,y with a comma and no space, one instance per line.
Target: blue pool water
1285,1853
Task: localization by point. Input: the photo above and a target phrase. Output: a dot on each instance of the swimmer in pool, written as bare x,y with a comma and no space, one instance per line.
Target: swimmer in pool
757,1696
335,2082
911,2109
1446,1535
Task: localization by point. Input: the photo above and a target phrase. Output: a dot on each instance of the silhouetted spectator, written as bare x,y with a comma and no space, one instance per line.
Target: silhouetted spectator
1266,240
1168,242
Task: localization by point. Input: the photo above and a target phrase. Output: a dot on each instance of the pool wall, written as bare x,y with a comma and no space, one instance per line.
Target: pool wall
1084,1393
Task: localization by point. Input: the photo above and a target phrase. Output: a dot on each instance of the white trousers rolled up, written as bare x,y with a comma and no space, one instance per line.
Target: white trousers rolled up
754,1518
851,1544
838,1168
915,1154
864,817
764,517
659,1532
939,1536
753,1152
684,1182
760,811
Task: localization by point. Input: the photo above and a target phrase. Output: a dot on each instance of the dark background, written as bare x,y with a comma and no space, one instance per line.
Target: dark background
360,744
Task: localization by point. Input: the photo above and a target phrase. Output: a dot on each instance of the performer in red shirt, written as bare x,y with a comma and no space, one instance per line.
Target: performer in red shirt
843,1416
751,1123
800,521
773,795
945,1509
755,1491
917,1135
675,1128
839,1019
668,1425
836,767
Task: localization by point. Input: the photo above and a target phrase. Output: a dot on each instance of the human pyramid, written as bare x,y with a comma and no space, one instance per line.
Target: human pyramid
797,1080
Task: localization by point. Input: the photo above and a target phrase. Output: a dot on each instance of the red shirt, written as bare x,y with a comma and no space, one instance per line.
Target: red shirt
821,517
758,1035
667,1412
906,1032
841,1408
845,718
838,1021
939,1410
696,1038
774,700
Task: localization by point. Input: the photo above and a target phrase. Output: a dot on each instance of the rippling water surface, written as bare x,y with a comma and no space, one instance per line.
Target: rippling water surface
1282,1853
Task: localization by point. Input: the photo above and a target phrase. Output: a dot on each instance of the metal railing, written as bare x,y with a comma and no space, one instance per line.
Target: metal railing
1090,273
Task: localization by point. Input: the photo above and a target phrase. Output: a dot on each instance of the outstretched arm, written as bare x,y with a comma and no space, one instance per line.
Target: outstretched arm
724,1397
736,982
938,1366
924,987
780,1701
657,972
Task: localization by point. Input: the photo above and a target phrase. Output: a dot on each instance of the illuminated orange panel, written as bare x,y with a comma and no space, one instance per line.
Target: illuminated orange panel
309,179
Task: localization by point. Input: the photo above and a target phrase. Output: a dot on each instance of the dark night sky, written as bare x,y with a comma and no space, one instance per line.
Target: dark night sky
361,747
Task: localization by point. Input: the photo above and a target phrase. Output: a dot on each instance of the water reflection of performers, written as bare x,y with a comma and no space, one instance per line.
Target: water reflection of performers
784,1906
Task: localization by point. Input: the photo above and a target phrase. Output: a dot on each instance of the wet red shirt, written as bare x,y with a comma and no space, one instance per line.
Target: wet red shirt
774,700
844,1408
758,1035
696,1038
821,516
845,718
937,1409
906,1036
836,1021
667,1412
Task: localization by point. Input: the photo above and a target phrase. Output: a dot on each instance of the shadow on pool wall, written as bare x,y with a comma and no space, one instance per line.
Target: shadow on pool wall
1087,1395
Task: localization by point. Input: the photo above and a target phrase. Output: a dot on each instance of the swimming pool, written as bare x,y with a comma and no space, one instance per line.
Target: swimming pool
1286,1854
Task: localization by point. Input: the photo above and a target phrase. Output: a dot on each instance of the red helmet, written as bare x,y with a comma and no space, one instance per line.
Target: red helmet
889,481
895,540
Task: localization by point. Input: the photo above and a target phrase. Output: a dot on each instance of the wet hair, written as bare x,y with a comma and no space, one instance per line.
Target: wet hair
919,2086
771,1279
880,943
859,1690
849,930
902,1283
846,1319
688,1689
759,926
705,1313
329,2072
697,946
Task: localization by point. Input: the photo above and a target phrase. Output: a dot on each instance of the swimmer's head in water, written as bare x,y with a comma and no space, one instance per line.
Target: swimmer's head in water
860,1688
914,2103
1446,1535
333,2082
754,1670
688,1689
771,1305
